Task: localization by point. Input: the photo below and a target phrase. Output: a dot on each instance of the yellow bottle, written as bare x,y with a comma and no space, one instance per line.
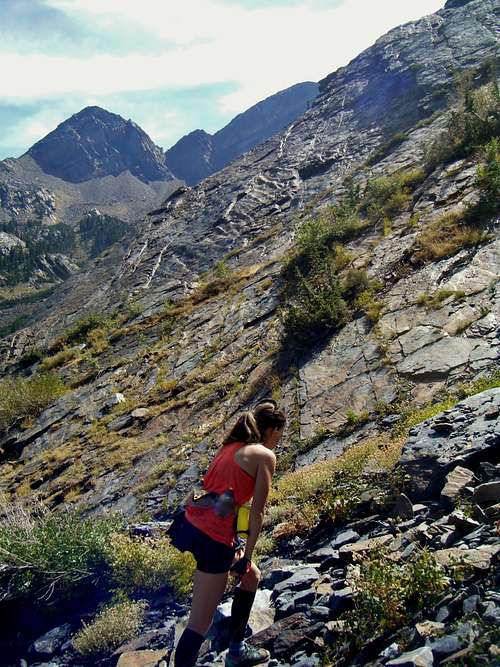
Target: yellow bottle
243,520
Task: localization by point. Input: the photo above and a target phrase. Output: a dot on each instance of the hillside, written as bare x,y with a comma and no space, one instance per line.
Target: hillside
349,268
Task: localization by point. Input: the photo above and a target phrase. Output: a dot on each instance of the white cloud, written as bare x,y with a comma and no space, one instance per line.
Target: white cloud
262,50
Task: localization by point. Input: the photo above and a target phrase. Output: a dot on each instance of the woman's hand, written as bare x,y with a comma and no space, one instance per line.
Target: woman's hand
239,553
240,568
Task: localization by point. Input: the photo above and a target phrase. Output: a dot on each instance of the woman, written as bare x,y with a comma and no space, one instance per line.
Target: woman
242,469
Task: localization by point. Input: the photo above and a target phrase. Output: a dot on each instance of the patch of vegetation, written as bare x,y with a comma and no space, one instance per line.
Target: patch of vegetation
59,358
21,398
98,231
48,556
326,490
488,176
170,319
317,300
113,626
331,489
388,196
488,381
79,332
317,308
388,593
317,237
219,285
13,326
435,300
475,119
20,262
144,565
30,357
444,237
28,297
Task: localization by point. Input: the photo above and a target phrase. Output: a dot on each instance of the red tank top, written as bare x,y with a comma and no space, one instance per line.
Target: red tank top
223,474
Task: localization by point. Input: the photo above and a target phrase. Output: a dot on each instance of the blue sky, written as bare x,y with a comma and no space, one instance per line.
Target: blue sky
172,66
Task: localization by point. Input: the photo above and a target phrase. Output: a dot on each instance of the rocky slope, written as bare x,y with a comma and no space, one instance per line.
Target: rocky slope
184,328
199,154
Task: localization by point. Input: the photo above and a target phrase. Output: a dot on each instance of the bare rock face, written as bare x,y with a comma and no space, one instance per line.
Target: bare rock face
95,142
198,154
8,242
19,201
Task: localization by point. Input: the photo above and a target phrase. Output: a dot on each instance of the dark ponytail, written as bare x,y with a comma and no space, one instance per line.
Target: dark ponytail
252,424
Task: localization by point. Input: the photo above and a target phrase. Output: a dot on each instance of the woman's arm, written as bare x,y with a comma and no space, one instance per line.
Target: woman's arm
265,470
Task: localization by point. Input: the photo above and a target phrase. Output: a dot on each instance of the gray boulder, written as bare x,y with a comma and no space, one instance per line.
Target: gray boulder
430,454
51,641
421,657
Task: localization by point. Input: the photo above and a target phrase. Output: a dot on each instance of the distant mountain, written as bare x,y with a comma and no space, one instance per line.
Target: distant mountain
199,154
95,143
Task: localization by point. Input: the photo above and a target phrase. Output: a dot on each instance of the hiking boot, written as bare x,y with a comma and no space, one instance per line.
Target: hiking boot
250,656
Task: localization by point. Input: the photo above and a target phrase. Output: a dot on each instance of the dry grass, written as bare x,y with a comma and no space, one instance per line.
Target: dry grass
444,237
59,359
112,627
305,488
145,565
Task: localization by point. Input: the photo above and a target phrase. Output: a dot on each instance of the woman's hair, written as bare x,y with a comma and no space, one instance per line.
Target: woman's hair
252,424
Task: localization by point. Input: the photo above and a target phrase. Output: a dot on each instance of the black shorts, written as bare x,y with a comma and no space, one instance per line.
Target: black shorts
211,556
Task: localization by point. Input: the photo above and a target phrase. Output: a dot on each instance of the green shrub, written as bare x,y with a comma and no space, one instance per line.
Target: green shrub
387,593
51,556
30,357
317,308
146,565
113,626
474,121
388,196
317,236
21,398
79,332
488,175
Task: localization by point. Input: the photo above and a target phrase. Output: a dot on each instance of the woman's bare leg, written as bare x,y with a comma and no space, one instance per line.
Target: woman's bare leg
250,582
208,590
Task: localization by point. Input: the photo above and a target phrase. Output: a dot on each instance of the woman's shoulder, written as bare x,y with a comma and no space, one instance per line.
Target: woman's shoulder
260,452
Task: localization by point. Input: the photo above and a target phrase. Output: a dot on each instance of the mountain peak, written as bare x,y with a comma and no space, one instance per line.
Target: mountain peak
95,142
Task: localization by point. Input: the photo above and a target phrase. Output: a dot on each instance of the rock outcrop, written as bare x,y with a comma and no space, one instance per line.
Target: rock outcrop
198,154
